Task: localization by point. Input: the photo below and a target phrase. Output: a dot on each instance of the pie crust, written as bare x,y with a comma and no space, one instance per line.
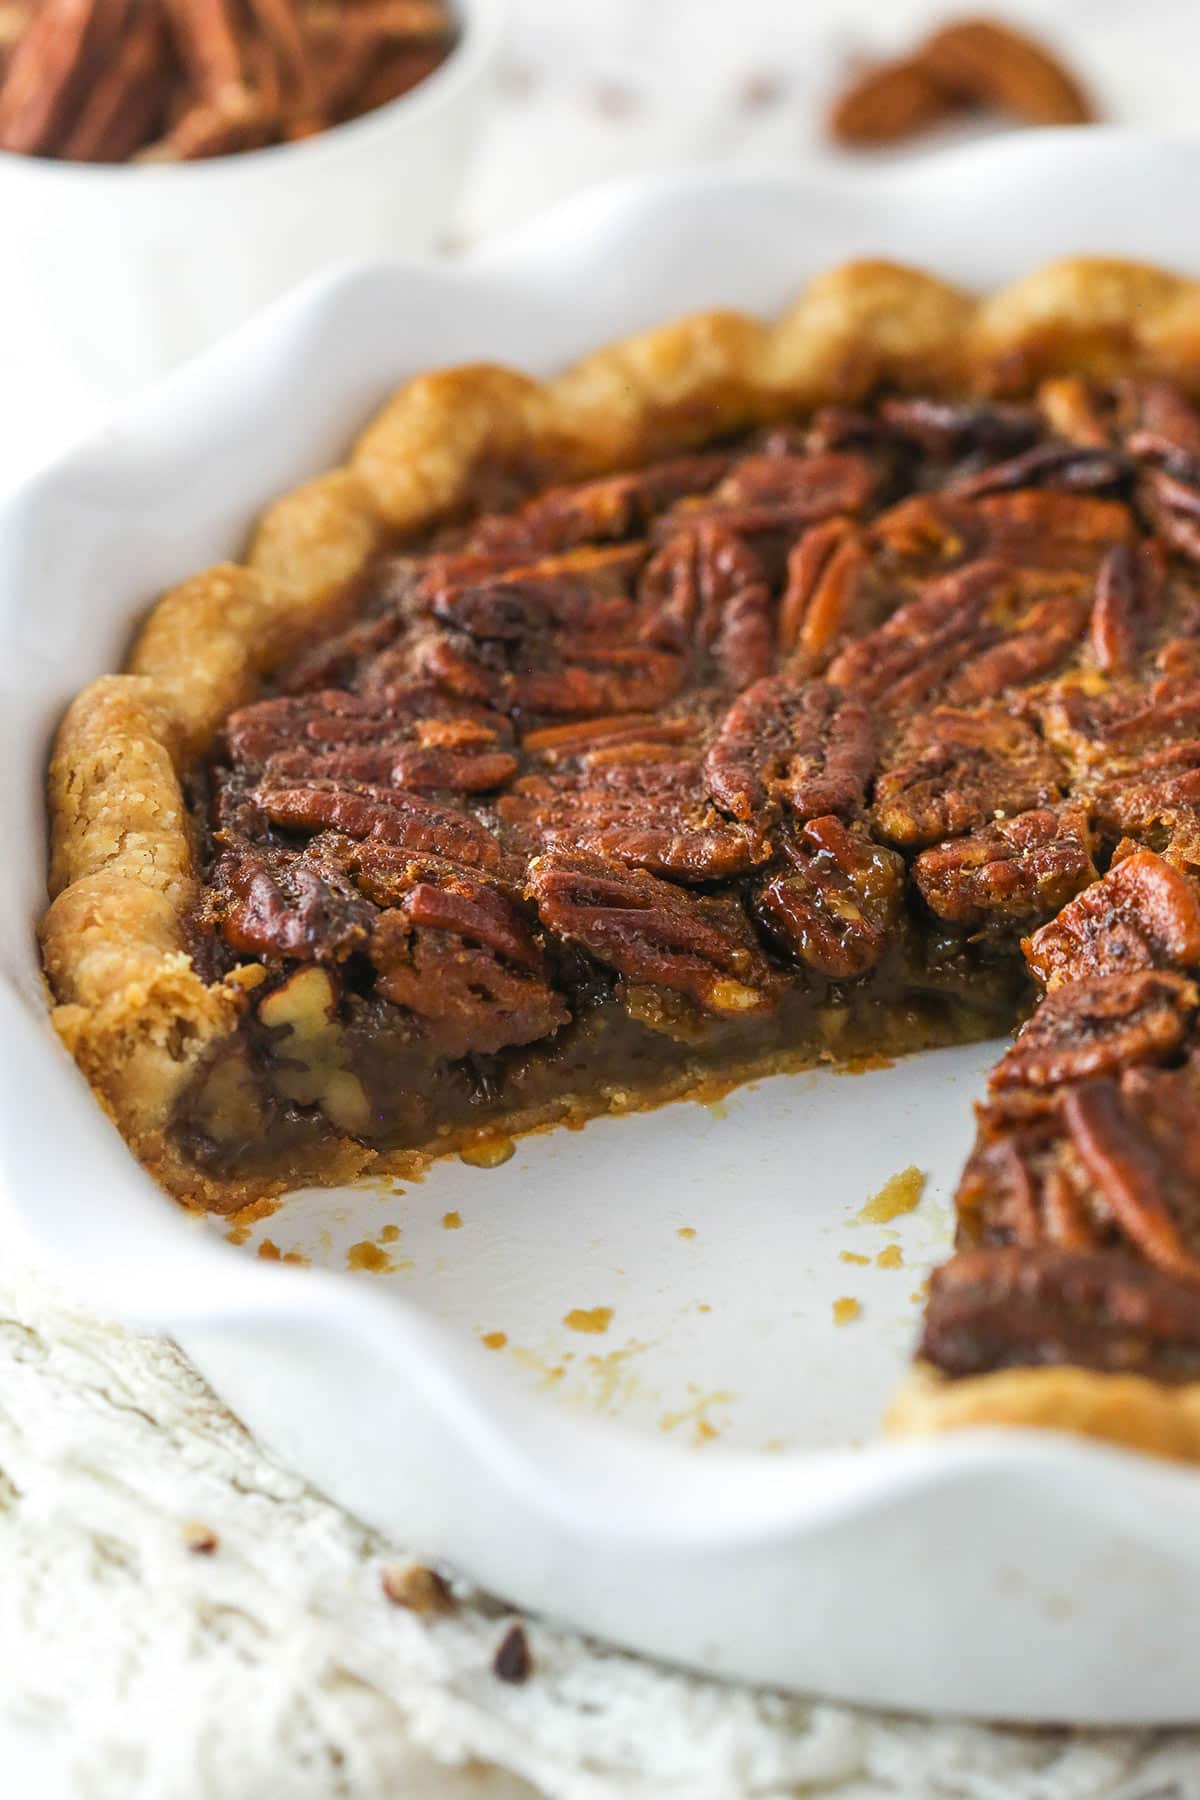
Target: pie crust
130,1003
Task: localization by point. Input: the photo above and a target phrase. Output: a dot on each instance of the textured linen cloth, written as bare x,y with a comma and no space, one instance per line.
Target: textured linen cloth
273,1668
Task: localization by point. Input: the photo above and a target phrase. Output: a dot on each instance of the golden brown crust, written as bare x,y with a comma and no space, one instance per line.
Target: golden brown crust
131,1006
1129,1410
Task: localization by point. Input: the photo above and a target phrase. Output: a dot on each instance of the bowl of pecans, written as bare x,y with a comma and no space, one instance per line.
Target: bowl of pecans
169,166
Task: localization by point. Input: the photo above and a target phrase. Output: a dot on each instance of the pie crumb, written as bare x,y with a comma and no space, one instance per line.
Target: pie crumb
899,1194
419,1589
845,1309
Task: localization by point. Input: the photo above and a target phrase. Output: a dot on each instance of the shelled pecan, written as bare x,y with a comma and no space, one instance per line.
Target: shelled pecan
652,932
966,65
837,901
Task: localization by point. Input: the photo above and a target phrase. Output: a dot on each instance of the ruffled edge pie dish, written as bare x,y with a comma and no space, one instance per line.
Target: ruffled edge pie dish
131,1004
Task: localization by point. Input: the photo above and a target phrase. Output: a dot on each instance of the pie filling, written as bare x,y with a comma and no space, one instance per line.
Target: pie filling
865,733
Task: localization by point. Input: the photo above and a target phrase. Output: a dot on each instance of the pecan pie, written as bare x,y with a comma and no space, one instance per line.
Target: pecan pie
745,697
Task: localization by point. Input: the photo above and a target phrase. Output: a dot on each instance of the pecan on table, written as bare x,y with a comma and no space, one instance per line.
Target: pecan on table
966,65
655,815
460,958
653,932
1099,1026
836,904
1144,914
958,770
800,745
1014,870
991,64
1010,1308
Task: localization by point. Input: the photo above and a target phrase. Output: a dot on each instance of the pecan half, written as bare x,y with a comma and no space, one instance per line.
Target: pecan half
412,737
960,770
773,493
948,429
799,744
706,598
459,957
891,101
1099,1026
991,64
826,573
1173,507
409,821
1128,594
1008,1308
1137,1141
836,905
655,816
277,904
652,932
926,639
1073,468
1021,869
1143,915
619,506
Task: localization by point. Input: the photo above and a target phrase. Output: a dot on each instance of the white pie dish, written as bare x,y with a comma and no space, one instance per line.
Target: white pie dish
1012,1574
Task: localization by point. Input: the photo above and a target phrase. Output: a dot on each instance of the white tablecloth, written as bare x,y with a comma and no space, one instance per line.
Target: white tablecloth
273,1669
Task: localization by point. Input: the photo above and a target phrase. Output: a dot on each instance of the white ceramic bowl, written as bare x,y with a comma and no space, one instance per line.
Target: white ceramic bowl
134,268
1021,1575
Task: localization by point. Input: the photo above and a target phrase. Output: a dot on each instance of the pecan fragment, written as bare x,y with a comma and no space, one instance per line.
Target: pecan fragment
1021,869
799,744
1009,1308
1143,915
837,903
960,770
1099,1026
650,931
